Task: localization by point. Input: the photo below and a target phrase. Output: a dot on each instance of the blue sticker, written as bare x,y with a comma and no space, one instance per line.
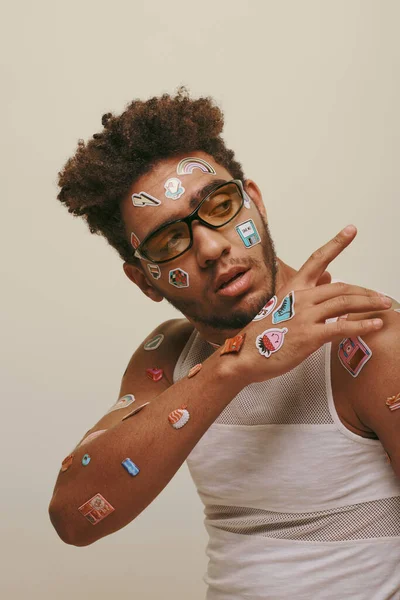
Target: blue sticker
285,310
130,466
85,459
248,233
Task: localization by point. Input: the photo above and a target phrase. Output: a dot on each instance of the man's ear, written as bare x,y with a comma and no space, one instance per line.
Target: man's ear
138,277
252,190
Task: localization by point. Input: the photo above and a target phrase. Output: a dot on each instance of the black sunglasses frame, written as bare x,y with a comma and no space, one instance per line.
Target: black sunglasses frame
139,253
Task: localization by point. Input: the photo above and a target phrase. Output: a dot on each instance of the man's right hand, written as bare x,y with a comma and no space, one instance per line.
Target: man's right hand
314,304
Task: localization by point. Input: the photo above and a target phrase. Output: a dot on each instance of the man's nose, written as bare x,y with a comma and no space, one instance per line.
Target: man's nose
209,244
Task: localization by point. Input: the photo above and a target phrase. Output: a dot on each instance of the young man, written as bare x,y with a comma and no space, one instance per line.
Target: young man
279,387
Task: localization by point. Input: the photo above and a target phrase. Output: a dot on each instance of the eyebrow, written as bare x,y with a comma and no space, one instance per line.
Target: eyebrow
194,201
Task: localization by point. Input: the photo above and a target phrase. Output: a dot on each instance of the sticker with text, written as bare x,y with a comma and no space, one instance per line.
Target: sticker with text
189,164
267,309
155,342
122,403
285,310
248,233
353,354
144,199
179,417
179,278
96,509
174,188
270,341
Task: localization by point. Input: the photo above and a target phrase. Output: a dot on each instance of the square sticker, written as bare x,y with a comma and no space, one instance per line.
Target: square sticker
248,233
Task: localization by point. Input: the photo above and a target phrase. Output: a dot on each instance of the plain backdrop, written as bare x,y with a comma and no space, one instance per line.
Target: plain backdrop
311,95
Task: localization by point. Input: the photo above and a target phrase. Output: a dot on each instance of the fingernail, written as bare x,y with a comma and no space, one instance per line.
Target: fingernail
349,229
377,322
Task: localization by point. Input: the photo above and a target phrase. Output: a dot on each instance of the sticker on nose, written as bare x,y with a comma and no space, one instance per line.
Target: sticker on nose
154,271
179,278
174,188
248,233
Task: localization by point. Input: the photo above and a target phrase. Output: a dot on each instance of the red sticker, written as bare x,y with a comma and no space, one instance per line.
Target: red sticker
194,370
155,374
96,509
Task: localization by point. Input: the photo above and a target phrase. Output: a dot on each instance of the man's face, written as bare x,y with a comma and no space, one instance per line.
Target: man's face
192,282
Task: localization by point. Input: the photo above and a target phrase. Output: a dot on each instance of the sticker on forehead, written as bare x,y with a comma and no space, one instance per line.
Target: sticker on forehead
154,271
174,188
179,278
144,199
155,342
267,309
248,233
188,165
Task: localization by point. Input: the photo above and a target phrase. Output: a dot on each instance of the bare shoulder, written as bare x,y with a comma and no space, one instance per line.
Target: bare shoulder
160,350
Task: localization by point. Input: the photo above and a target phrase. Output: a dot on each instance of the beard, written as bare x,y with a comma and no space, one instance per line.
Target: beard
239,318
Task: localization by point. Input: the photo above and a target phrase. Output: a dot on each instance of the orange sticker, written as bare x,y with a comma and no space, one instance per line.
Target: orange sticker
194,370
393,402
96,509
67,462
233,344
179,417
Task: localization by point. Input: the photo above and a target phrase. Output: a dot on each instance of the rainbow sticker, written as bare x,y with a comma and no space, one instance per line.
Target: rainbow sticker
188,165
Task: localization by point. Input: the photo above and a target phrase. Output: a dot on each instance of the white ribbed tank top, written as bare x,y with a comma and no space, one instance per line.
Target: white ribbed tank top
296,505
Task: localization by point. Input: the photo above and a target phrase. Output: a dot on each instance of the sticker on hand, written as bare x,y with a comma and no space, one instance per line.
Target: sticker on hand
270,341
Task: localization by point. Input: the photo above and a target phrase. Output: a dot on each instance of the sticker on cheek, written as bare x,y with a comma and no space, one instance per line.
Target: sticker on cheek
155,374
353,353
179,278
246,199
188,165
285,310
122,403
267,309
143,199
270,341
174,188
233,344
154,270
155,342
130,466
248,233
393,403
96,509
179,417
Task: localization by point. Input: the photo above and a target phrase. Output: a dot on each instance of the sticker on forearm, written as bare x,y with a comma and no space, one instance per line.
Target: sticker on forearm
122,402
188,165
154,270
194,370
353,353
85,460
179,417
92,436
155,342
143,199
174,188
154,373
233,344
96,509
67,462
393,402
248,233
285,310
267,309
179,278
135,411
270,341
130,466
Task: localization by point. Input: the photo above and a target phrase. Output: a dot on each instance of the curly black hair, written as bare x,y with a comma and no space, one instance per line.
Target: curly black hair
95,180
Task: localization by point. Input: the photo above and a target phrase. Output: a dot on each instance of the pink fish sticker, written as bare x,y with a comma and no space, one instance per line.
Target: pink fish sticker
270,341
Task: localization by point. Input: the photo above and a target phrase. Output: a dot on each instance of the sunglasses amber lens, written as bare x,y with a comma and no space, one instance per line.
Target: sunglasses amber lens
168,243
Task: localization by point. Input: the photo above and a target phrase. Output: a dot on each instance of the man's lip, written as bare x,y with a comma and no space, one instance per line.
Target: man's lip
227,276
